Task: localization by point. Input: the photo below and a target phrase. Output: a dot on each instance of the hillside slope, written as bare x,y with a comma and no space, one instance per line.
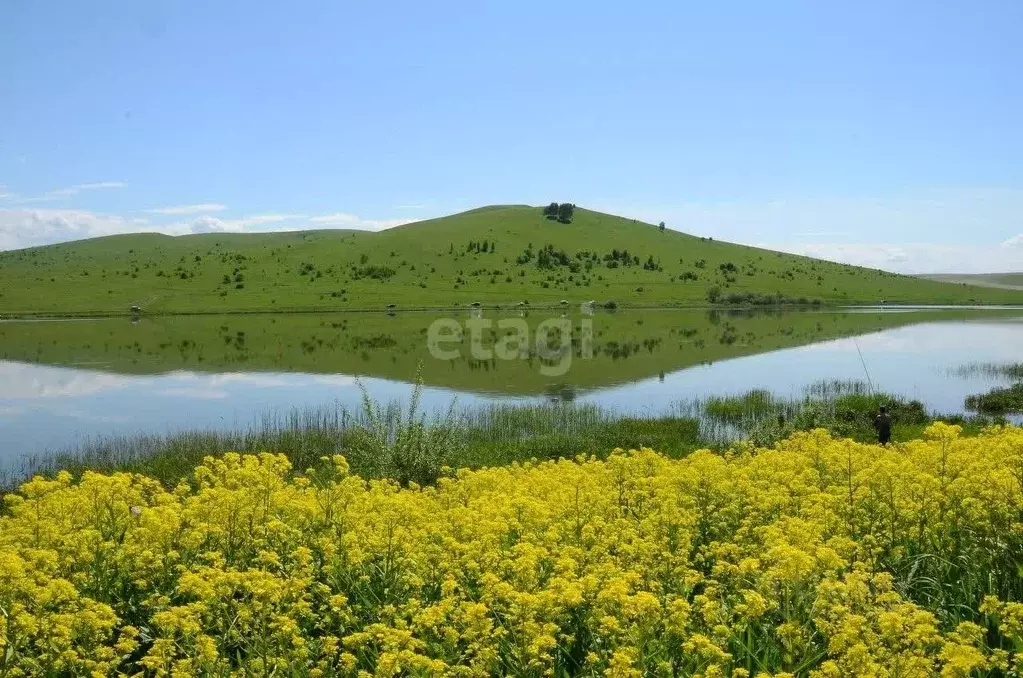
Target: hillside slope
1005,281
494,255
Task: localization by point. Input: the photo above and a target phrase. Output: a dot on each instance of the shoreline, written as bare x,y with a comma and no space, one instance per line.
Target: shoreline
97,315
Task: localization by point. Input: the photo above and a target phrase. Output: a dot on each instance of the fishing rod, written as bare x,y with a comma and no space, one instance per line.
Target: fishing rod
870,382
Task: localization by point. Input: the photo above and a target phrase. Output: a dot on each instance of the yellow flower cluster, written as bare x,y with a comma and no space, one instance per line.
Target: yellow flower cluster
817,557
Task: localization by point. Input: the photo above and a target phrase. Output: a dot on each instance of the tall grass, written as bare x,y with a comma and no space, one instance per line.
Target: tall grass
394,439
845,407
1012,371
398,440
998,401
399,443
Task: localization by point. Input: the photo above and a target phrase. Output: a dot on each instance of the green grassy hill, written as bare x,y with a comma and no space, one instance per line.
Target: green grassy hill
493,255
1009,281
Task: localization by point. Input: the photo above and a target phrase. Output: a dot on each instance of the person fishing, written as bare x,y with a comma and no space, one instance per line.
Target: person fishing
883,425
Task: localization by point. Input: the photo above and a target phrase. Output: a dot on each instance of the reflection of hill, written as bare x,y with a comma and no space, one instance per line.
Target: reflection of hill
625,346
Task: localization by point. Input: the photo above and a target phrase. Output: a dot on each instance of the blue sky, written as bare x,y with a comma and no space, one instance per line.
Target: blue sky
884,133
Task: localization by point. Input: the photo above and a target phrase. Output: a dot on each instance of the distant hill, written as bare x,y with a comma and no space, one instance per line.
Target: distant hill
492,255
1005,281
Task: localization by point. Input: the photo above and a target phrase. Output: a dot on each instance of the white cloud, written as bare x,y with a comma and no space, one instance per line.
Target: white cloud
27,227
24,227
208,224
22,381
1015,241
65,192
78,188
915,257
4,193
261,219
188,209
342,220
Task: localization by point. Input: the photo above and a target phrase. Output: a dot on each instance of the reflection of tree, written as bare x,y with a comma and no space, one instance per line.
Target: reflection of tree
560,393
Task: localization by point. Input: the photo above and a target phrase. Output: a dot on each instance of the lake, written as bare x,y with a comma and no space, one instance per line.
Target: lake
62,382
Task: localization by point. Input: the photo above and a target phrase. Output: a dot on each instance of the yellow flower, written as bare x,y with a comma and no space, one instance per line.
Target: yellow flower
816,556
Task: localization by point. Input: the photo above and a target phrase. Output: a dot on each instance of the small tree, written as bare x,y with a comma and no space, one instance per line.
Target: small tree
660,226
551,211
565,212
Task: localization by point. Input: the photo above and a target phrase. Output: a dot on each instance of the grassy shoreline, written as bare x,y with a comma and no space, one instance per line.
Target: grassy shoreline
236,563
550,306
397,440
508,306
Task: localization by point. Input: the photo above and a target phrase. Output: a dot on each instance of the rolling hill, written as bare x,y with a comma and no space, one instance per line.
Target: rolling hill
496,255
1005,281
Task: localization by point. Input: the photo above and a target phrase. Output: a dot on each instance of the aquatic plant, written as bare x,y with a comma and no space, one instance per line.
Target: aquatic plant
998,401
1005,370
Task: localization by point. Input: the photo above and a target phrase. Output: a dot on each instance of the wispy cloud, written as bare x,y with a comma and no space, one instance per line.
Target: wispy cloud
95,186
261,219
67,191
912,257
342,220
30,226
209,224
1015,241
188,209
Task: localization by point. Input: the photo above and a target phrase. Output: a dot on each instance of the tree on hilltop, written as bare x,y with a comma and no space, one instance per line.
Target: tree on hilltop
562,212
565,212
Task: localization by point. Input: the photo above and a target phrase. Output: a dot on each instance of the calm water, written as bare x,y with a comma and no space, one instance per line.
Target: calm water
62,382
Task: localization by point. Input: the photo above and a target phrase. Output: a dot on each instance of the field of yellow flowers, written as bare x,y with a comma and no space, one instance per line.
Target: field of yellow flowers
817,557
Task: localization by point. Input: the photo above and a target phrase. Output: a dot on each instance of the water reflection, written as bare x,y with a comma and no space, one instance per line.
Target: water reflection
62,382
